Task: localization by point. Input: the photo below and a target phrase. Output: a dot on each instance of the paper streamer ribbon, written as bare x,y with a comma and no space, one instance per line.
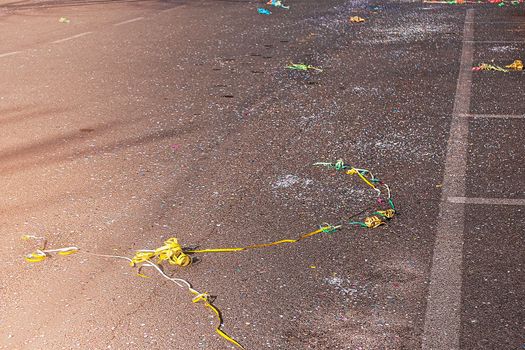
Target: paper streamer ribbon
174,254
303,67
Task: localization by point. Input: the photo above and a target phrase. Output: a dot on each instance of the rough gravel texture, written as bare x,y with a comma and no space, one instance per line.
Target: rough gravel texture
187,123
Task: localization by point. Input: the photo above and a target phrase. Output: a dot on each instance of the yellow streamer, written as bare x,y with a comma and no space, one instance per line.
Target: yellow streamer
171,252
174,254
389,213
204,297
41,254
326,228
357,19
354,171
373,221
516,65
67,251
37,256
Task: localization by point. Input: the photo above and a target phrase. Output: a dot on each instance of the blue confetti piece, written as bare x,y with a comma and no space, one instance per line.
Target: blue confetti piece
263,11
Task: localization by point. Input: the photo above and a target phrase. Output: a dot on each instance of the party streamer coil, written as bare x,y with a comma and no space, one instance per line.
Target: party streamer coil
174,254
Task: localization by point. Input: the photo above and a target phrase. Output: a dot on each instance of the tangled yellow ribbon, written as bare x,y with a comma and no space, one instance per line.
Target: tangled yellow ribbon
41,254
171,252
516,65
357,19
175,254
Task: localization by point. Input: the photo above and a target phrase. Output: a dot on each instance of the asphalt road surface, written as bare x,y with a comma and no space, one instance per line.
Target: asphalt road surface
143,120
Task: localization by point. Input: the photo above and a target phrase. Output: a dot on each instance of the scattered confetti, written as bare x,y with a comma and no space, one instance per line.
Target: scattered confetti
485,66
450,2
516,65
171,252
264,11
357,19
301,66
499,3
64,20
174,254
277,3
43,253
503,3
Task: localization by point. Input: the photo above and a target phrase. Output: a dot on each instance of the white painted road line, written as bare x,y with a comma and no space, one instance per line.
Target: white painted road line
9,53
503,116
128,21
500,22
442,317
487,201
71,37
497,116
497,42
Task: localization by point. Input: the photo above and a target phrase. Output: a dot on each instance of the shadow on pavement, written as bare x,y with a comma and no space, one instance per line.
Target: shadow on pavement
32,4
70,145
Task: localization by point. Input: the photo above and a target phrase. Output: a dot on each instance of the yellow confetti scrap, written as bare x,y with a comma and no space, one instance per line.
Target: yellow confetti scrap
171,252
516,65
357,19
37,256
